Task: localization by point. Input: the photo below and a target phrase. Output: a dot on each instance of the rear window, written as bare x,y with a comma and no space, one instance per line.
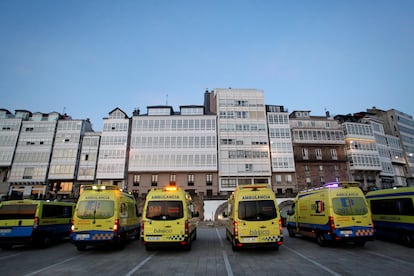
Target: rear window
349,206
95,209
20,211
164,210
257,210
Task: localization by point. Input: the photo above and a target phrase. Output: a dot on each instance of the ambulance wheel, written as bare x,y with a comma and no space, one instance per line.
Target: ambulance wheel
81,247
320,239
45,241
6,246
407,239
234,246
360,243
187,247
195,235
291,232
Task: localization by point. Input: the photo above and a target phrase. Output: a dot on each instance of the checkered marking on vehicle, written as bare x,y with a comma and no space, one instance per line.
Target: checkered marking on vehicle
176,237
102,236
270,239
365,232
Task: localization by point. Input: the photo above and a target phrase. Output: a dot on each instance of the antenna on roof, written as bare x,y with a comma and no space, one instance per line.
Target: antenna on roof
166,99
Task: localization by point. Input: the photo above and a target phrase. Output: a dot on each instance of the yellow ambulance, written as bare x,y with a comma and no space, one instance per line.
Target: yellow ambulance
253,218
104,215
169,218
393,213
337,211
36,222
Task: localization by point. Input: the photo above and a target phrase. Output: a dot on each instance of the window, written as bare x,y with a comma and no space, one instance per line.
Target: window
257,210
136,180
278,179
318,153
349,206
334,154
305,154
190,179
209,179
399,206
154,180
93,209
172,178
165,210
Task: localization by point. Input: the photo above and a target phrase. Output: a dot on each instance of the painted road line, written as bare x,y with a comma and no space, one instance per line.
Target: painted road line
56,264
140,265
225,257
312,261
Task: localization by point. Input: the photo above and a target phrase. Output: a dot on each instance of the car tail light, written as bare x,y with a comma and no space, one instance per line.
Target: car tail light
332,223
116,225
235,228
186,227
35,223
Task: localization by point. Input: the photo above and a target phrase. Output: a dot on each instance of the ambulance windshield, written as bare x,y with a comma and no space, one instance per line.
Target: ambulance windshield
257,210
165,210
349,206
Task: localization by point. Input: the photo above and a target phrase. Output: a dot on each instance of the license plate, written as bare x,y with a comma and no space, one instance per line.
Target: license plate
251,239
5,231
153,238
346,232
82,236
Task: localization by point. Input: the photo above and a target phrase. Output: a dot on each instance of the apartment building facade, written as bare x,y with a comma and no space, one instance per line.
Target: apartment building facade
319,149
401,125
363,157
113,150
242,136
170,147
281,151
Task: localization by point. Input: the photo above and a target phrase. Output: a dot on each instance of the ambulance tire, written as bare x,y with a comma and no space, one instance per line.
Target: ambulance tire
187,247
120,244
81,247
149,248
44,241
291,232
195,235
320,239
234,246
6,246
227,235
360,243
407,239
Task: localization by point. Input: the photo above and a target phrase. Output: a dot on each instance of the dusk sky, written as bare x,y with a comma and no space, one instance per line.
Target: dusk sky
88,57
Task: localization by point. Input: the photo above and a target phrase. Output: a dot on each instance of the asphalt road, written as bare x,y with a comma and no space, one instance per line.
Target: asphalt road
211,254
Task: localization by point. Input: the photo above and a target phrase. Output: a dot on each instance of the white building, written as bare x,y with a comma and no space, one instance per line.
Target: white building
113,150
243,143
364,159
65,155
29,171
281,150
168,147
9,134
89,157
